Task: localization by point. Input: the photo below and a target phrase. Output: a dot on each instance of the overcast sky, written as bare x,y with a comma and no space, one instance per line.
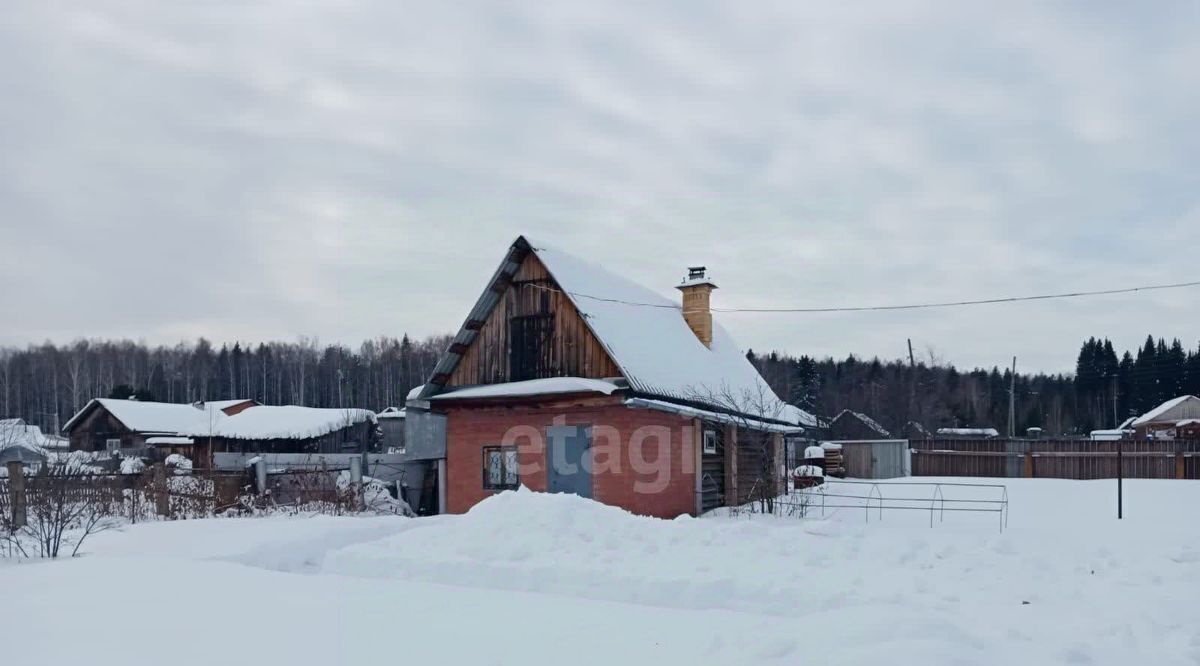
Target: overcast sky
264,170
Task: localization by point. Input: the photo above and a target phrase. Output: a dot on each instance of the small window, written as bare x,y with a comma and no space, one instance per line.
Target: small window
710,441
500,468
111,445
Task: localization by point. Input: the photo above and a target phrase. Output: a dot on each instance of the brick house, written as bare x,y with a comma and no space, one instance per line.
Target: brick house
566,377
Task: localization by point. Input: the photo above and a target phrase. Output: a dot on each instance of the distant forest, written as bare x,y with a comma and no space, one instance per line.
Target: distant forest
46,384
1105,389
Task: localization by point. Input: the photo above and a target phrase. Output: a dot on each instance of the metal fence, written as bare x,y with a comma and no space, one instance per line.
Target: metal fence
875,500
1056,459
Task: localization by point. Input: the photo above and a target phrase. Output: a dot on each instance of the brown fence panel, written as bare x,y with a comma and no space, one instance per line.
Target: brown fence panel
1056,459
937,457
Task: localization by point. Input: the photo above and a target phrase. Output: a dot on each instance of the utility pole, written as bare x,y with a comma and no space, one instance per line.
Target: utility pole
1116,423
1012,401
912,382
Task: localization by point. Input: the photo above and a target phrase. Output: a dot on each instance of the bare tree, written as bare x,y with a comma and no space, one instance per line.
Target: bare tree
63,507
757,415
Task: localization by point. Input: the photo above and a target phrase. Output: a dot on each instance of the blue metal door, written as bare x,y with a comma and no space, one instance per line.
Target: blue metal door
568,457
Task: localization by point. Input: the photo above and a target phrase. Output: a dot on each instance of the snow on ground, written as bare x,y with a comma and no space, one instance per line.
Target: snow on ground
534,578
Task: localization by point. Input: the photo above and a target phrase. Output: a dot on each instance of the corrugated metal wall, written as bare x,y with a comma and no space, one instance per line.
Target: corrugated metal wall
876,459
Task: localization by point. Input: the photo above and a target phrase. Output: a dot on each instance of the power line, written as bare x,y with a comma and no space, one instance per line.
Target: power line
880,308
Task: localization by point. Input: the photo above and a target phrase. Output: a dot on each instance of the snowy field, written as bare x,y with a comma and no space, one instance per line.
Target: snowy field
528,578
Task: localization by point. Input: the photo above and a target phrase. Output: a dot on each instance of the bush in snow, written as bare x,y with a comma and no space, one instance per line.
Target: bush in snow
178,462
64,506
132,465
377,496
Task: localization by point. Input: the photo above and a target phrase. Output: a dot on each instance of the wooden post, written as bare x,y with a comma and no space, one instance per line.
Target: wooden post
16,493
356,483
1180,465
1029,464
731,459
162,500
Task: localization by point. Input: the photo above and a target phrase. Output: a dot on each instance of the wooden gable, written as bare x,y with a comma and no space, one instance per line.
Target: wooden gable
533,332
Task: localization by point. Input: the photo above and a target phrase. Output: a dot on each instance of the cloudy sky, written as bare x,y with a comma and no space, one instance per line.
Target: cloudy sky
263,170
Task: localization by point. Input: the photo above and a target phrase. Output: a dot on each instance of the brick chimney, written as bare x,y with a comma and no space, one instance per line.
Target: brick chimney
696,310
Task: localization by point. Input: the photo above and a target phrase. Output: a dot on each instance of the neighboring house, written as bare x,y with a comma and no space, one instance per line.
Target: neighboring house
391,429
157,429
566,377
1178,418
967,433
21,442
850,425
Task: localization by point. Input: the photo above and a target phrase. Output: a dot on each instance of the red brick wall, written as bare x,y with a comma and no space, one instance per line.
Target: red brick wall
627,471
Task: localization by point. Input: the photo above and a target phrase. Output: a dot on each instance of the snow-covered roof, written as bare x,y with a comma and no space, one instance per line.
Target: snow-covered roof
1108,435
647,337
866,420
17,433
289,422
969,432
719,417
1185,406
207,419
392,413
224,404
155,417
169,441
546,386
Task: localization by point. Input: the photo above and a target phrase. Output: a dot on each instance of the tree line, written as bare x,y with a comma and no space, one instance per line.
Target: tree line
1104,391
45,384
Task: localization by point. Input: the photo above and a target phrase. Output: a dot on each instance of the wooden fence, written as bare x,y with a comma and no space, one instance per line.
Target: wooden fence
1055,459
158,493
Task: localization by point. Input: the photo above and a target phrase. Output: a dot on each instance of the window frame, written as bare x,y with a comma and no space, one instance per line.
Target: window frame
108,444
504,452
710,435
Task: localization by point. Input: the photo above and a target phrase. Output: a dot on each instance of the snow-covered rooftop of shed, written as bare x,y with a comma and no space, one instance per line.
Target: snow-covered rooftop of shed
257,422
866,420
15,432
289,422
974,432
172,440
391,413
546,386
653,344
1164,409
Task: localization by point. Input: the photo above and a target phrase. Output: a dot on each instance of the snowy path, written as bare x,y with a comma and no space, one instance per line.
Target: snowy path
551,579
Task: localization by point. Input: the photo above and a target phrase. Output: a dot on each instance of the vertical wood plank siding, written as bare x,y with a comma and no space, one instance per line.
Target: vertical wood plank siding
1056,459
572,350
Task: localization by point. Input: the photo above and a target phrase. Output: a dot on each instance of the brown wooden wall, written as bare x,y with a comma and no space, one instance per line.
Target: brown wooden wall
572,350
91,433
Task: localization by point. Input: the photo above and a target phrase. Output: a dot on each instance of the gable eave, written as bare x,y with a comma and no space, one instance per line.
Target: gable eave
518,252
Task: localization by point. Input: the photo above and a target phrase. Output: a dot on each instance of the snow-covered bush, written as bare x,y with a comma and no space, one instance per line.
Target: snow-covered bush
179,462
132,465
377,495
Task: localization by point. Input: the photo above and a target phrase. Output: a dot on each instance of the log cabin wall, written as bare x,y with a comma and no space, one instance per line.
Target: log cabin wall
554,340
